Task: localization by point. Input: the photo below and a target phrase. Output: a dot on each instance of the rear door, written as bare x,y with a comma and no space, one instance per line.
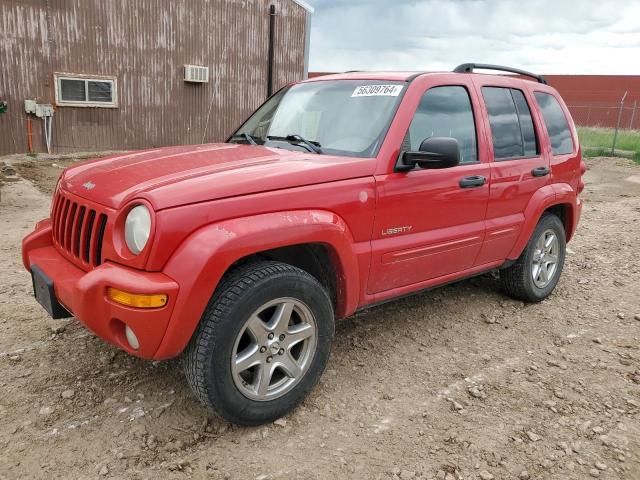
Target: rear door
519,165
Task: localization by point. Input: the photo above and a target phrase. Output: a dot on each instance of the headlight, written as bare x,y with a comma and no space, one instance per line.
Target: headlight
137,228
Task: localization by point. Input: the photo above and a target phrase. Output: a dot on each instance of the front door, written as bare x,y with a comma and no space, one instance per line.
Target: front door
430,223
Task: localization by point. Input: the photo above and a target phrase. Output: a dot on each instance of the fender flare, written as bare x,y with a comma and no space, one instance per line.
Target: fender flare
544,198
204,257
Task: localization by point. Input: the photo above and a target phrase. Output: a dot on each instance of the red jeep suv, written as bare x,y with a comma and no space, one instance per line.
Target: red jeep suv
338,193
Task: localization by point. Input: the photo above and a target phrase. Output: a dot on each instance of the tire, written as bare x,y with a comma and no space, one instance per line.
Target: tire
518,279
239,319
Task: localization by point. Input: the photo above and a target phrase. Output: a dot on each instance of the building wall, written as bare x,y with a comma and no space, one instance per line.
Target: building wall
145,44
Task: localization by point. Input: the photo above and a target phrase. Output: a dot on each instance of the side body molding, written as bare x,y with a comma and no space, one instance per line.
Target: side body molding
202,259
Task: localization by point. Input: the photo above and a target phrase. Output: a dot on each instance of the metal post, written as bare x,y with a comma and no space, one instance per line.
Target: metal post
615,135
633,114
270,53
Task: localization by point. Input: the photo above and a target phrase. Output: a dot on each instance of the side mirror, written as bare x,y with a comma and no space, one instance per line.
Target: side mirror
434,152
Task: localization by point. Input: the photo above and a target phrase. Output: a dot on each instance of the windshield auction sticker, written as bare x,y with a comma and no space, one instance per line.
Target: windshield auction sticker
377,91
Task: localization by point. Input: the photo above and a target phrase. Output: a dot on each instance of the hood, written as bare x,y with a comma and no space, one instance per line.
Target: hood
175,176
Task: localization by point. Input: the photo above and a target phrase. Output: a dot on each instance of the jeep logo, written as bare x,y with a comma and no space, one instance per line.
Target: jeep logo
89,185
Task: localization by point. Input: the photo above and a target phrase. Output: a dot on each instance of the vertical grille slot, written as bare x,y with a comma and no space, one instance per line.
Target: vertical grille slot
68,226
61,221
88,238
102,223
77,232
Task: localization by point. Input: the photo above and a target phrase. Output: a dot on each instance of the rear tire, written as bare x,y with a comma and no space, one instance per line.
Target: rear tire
535,274
262,343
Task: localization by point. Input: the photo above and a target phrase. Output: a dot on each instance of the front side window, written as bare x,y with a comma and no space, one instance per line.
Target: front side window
512,129
445,112
85,91
340,117
556,123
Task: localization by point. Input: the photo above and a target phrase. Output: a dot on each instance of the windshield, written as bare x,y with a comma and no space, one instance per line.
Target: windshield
340,117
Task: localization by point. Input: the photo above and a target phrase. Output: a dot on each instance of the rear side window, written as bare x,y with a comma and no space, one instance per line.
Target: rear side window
511,124
556,123
445,112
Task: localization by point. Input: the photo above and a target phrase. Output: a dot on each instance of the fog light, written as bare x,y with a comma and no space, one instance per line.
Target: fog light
136,300
131,338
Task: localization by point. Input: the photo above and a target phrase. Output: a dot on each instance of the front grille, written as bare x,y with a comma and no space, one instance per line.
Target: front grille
78,230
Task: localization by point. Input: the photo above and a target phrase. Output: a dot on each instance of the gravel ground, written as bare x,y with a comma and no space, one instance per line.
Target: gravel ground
457,383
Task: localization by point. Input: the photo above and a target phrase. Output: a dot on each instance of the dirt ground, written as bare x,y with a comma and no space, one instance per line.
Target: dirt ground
457,383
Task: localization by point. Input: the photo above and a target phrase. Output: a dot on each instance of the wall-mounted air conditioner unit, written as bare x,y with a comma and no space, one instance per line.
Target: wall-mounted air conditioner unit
196,74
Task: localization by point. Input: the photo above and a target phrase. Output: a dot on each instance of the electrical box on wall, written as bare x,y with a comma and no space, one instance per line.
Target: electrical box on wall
196,74
38,109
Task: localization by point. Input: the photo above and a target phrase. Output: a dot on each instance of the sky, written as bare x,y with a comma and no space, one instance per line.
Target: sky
544,36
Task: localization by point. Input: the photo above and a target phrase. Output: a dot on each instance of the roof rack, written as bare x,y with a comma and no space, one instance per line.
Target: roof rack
469,68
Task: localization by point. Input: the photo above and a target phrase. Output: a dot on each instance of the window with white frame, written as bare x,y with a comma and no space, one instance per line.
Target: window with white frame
85,91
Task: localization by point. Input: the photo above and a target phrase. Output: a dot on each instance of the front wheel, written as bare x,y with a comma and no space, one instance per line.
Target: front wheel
262,343
535,274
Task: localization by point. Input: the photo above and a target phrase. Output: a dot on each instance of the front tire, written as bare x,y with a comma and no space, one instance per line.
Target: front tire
262,343
535,274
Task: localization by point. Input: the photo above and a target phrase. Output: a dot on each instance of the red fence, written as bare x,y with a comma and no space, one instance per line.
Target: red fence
594,100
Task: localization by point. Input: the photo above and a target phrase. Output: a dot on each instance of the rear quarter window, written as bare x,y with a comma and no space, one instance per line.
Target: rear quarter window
556,123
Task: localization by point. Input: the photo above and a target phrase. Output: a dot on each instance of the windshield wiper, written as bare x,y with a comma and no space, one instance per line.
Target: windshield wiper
244,136
299,140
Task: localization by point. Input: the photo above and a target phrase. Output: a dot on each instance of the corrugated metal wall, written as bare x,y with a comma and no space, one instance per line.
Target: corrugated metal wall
145,44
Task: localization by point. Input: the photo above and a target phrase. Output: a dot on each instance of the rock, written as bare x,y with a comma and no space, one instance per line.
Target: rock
484,475
621,315
524,475
598,341
441,475
594,473
600,466
281,422
559,394
598,430
104,471
637,317
46,411
534,437
477,392
488,320
407,475
68,394
57,329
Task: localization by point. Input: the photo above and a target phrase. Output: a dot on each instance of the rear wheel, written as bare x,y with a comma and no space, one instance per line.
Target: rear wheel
535,274
262,343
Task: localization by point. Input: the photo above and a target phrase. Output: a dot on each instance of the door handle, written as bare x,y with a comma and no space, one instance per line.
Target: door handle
472,181
540,171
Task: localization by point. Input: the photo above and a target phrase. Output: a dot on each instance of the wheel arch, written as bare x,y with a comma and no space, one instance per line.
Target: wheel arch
558,199
317,241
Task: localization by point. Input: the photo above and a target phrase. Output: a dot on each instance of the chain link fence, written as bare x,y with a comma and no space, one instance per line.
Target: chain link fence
608,128
606,116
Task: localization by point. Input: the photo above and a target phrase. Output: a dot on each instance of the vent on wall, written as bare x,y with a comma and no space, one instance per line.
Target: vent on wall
195,73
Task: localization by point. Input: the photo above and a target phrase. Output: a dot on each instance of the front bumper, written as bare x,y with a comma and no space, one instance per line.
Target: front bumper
84,294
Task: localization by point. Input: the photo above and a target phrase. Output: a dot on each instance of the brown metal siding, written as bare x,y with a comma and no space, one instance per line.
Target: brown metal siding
144,43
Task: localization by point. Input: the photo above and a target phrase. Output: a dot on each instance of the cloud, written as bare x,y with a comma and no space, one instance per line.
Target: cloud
589,36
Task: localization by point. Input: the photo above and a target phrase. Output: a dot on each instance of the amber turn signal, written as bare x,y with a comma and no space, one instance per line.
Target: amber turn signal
136,300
